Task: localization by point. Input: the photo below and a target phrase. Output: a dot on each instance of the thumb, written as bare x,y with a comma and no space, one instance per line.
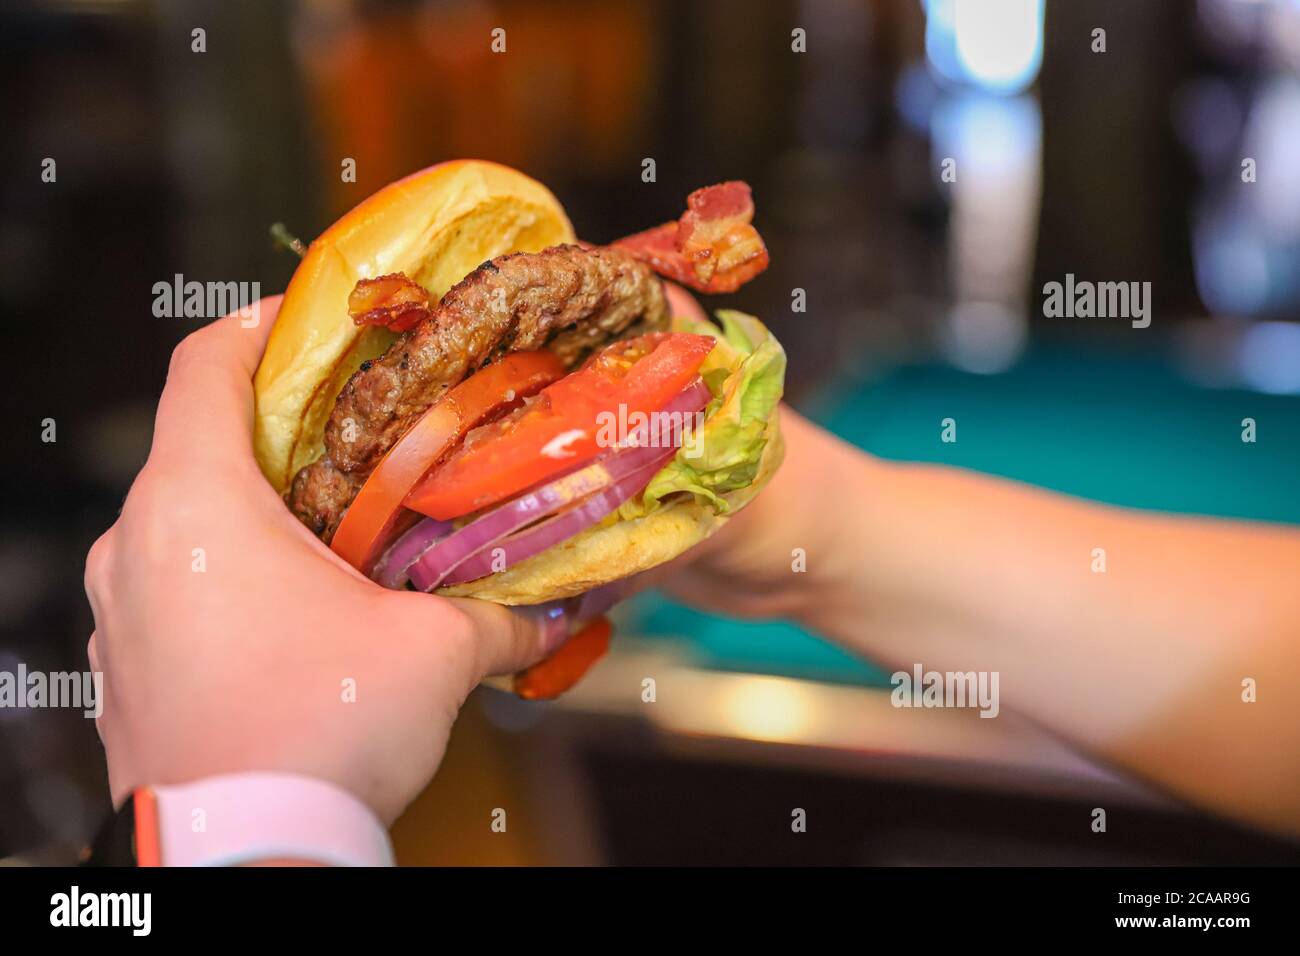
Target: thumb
512,639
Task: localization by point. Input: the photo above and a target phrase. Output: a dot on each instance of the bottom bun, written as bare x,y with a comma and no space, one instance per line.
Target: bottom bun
607,553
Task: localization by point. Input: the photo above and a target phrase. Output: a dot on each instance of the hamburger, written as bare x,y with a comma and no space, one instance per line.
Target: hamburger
460,397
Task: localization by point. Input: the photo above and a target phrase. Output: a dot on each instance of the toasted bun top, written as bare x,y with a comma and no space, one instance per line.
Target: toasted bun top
436,226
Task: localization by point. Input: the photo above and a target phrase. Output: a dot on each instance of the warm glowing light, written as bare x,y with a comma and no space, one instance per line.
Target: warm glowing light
767,708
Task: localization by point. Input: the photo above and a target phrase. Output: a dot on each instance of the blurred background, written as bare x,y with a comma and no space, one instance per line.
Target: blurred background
1113,157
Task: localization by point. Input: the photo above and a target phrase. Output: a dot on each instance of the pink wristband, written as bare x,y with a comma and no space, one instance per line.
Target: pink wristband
246,817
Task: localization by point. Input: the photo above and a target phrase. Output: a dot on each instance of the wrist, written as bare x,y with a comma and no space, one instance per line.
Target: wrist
246,818
835,595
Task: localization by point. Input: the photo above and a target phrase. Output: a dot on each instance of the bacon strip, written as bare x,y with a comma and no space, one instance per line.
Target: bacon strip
393,301
712,247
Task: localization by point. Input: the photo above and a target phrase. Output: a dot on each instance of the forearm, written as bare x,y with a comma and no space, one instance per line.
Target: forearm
1141,663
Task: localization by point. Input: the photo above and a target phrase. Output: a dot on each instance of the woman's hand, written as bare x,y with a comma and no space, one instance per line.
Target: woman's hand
232,639
783,554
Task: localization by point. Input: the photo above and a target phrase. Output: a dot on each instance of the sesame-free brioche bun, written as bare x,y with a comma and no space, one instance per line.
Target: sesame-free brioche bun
436,226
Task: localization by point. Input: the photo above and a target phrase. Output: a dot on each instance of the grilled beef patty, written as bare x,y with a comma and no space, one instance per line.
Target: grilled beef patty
569,299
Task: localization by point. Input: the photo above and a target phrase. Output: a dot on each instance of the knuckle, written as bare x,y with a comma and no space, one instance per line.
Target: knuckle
97,560
446,631
186,351
156,508
452,625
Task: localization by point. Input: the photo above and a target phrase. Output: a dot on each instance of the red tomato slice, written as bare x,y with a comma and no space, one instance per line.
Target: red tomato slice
560,429
376,514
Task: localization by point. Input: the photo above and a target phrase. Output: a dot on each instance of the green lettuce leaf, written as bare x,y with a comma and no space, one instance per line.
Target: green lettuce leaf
745,373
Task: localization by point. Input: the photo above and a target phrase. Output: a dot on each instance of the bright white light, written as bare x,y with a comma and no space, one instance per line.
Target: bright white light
1000,41
996,45
997,144
1273,139
985,337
